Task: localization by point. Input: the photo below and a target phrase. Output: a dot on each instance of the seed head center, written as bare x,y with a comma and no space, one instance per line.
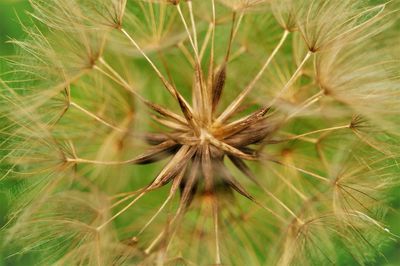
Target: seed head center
204,135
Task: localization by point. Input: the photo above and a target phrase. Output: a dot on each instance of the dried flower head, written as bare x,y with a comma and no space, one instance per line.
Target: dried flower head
244,132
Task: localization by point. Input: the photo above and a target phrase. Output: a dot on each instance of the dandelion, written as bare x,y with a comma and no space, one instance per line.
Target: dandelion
201,132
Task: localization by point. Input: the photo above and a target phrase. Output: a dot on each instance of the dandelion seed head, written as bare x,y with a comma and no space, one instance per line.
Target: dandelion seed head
201,132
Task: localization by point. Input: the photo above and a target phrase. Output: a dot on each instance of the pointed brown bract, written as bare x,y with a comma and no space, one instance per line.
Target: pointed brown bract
218,86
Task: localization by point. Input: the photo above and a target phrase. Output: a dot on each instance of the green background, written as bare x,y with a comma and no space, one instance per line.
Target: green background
14,11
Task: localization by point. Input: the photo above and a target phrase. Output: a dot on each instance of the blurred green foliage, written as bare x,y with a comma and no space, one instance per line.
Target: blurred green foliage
13,12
